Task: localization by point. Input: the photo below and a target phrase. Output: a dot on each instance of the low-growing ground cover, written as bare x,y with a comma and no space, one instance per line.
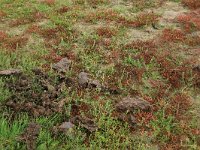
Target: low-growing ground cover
100,74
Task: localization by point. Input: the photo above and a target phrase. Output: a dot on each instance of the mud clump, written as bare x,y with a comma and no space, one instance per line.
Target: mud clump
85,81
128,107
10,72
2,14
63,9
85,122
37,95
30,135
65,127
131,104
41,95
62,66
196,72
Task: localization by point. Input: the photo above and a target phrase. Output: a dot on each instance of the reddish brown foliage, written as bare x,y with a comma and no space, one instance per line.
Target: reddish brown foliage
96,44
49,2
30,135
146,55
2,14
179,104
35,16
15,42
139,73
193,40
174,143
57,33
147,49
106,32
33,29
144,117
125,80
49,33
170,35
111,15
193,4
156,83
12,42
71,55
108,15
132,73
20,21
97,2
52,57
144,19
190,21
106,42
77,109
175,74
113,56
63,9
3,36
92,43
142,45
174,78
53,36
196,73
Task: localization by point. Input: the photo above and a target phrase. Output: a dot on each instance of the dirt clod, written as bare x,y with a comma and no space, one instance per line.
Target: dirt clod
30,135
127,118
197,68
85,122
85,82
132,104
62,66
10,72
36,95
83,79
127,109
65,127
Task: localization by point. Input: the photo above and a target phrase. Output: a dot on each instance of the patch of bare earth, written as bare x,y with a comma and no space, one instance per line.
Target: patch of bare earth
168,11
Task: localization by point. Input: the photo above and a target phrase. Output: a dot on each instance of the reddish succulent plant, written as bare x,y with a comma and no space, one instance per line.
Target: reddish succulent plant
3,36
169,35
193,4
106,32
190,21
